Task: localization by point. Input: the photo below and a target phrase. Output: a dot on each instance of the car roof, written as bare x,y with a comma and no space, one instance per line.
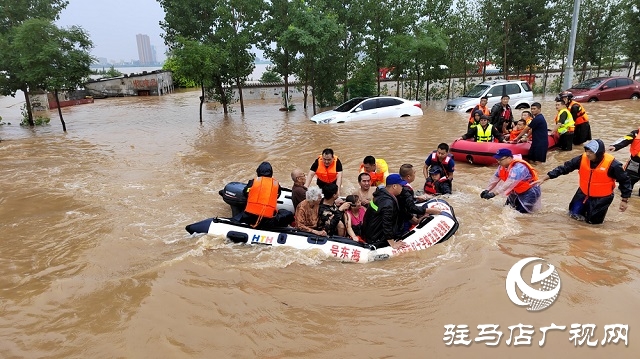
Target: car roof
494,82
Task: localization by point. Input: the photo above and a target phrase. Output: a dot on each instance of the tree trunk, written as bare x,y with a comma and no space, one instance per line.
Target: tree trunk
28,105
240,94
201,100
286,81
313,89
64,125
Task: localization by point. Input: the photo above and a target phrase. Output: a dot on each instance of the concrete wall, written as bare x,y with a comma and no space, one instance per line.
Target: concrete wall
155,83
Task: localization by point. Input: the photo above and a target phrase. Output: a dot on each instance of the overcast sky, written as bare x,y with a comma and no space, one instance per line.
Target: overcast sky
113,24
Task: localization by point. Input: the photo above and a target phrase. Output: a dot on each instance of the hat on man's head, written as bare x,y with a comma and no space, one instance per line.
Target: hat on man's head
435,169
395,178
484,117
592,146
503,152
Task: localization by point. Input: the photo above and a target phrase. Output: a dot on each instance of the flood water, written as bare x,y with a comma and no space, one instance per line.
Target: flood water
95,261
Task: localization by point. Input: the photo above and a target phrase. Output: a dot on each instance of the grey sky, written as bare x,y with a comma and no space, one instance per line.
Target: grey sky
113,25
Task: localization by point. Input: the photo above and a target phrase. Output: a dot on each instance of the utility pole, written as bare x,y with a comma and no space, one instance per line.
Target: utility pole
568,72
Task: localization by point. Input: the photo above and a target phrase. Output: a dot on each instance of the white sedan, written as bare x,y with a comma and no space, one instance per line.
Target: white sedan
370,108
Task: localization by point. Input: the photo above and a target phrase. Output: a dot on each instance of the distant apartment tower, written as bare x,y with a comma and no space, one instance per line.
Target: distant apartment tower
144,49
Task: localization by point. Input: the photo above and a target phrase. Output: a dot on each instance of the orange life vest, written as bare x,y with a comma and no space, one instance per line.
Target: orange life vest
596,182
263,197
327,174
582,114
523,186
377,178
635,145
484,109
514,133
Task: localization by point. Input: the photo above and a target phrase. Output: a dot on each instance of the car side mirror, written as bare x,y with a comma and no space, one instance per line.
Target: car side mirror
358,109
489,95
604,87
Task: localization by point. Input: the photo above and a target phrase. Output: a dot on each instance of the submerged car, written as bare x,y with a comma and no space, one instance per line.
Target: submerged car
370,108
520,93
606,89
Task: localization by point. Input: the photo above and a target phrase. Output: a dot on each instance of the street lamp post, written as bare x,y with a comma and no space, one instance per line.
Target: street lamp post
568,72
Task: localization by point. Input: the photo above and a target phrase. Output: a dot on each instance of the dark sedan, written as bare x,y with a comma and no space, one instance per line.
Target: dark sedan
606,89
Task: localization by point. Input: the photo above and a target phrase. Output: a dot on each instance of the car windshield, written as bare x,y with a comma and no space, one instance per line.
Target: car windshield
347,106
588,84
476,91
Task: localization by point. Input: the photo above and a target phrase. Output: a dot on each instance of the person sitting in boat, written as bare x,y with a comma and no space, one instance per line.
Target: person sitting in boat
485,132
442,158
513,135
482,107
382,225
526,116
377,168
353,217
307,212
365,192
515,179
262,195
410,212
327,168
329,213
298,191
474,120
437,183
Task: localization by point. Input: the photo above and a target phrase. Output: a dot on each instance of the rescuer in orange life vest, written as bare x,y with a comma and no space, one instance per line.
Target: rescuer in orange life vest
598,173
515,179
632,167
262,195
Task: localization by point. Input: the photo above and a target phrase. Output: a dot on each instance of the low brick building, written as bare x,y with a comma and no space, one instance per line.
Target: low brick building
155,83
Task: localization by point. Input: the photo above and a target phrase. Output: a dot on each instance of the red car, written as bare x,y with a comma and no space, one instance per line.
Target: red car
606,89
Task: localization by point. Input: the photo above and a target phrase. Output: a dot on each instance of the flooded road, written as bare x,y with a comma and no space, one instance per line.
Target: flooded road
95,262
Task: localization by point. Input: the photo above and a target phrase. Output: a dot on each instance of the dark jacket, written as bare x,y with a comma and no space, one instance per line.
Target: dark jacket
382,219
626,141
496,118
615,170
407,204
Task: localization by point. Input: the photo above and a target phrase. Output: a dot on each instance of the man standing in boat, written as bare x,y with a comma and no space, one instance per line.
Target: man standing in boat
382,225
539,135
514,178
598,173
502,116
262,195
327,168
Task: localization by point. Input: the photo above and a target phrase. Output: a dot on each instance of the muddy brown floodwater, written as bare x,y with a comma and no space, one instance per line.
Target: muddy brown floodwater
95,262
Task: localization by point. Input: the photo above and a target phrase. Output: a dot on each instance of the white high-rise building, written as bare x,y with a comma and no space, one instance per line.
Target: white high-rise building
144,50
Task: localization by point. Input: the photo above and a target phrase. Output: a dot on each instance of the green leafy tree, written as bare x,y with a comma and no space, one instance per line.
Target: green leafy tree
52,58
632,44
279,16
197,62
313,35
171,64
270,76
14,13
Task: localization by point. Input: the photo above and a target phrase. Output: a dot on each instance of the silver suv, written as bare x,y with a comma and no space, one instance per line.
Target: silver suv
520,93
